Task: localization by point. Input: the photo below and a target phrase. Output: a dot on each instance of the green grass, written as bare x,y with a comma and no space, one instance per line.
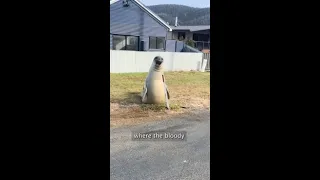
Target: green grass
125,88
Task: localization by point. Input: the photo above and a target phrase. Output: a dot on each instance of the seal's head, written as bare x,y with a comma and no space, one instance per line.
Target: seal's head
158,60
157,63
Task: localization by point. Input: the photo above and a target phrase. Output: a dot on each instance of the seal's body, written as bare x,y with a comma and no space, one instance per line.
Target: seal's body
155,90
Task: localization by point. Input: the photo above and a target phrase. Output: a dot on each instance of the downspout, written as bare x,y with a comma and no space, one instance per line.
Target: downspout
175,50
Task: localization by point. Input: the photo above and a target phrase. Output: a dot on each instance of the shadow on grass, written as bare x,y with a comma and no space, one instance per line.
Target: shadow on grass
131,98
135,98
159,107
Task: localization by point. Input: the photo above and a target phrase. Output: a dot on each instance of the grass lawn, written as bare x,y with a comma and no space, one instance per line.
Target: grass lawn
187,90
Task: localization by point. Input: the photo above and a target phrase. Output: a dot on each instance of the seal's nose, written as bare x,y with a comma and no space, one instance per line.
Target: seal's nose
158,60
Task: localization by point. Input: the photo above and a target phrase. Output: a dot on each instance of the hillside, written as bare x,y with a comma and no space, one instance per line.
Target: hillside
186,15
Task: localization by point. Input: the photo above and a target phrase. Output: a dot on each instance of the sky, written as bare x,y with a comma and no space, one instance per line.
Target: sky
191,3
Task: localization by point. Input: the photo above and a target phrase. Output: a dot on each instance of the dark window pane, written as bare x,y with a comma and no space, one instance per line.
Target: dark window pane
118,42
201,37
153,43
132,43
206,45
205,37
195,37
199,45
181,35
156,43
160,43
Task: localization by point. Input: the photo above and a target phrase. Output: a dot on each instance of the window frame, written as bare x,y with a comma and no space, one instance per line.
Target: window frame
164,43
125,38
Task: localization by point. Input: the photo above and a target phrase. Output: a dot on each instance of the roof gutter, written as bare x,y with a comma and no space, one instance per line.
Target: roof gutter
199,30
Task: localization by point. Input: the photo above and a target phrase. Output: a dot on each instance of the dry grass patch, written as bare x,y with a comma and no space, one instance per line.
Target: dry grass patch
188,90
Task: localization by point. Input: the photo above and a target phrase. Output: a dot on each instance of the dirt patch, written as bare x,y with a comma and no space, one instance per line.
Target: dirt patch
133,114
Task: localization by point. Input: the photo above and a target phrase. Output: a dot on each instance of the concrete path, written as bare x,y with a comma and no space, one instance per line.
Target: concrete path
163,160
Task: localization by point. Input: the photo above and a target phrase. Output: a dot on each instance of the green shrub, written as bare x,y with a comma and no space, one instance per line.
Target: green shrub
190,42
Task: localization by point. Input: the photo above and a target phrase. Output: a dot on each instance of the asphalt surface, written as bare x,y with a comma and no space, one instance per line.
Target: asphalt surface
154,160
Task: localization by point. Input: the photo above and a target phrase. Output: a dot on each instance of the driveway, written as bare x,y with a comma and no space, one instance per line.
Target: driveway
166,159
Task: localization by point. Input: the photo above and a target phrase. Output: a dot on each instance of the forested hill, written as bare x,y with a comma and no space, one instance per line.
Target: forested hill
186,15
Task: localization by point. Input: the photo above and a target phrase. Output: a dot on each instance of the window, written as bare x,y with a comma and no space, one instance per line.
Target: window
132,43
118,42
123,42
201,37
181,36
156,42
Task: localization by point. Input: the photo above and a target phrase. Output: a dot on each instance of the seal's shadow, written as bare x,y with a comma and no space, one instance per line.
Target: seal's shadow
133,97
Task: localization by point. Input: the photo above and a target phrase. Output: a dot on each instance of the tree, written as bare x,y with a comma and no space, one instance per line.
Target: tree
187,16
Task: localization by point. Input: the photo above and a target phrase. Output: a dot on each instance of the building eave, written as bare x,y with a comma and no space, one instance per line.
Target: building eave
190,28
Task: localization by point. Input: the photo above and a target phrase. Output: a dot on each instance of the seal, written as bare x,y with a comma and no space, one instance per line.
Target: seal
155,90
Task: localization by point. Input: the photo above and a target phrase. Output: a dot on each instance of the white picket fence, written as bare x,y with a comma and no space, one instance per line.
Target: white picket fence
140,61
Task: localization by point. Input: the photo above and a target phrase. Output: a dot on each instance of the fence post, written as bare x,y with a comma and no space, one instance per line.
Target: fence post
204,64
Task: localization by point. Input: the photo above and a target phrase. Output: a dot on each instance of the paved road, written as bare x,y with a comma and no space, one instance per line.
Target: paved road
155,160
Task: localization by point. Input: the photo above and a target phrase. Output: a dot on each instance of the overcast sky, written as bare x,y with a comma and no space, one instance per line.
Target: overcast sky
191,3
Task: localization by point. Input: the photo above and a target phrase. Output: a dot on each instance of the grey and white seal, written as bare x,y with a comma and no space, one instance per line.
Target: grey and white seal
155,90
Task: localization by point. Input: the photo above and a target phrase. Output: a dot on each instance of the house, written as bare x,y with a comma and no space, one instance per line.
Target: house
199,34
135,27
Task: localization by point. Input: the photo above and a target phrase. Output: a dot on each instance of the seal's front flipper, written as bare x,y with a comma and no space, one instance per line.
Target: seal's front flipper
165,86
143,89
167,91
167,104
144,95
166,95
